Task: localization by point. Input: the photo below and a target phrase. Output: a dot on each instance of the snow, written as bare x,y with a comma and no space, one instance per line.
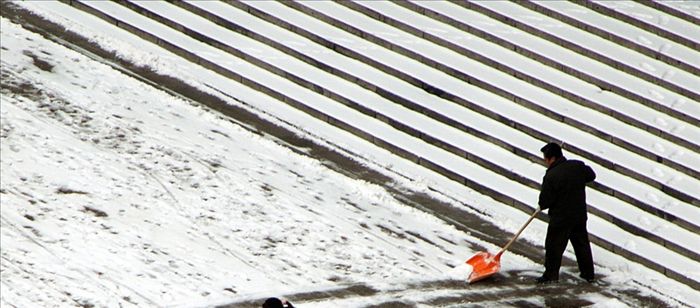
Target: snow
490,101
100,173
531,67
579,37
629,32
494,128
139,159
688,7
606,303
655,18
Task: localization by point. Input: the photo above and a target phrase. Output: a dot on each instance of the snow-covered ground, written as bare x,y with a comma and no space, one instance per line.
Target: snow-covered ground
116,193
143,198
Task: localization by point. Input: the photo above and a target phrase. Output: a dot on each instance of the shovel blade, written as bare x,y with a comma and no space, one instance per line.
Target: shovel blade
484,265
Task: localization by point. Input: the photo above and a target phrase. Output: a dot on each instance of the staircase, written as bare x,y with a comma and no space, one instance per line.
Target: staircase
471,90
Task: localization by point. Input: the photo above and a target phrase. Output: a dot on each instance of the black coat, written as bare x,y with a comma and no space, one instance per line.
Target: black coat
564,191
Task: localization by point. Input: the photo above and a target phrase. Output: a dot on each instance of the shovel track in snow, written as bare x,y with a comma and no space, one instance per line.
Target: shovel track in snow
506,289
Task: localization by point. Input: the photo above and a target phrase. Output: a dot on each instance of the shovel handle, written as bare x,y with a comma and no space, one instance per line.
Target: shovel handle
519,231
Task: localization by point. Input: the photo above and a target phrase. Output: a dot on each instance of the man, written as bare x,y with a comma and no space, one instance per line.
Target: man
563,193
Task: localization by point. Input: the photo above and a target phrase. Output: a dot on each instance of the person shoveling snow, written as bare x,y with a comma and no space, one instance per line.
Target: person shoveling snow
563,193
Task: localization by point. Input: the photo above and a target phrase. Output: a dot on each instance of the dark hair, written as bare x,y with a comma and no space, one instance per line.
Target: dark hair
273,302
552,150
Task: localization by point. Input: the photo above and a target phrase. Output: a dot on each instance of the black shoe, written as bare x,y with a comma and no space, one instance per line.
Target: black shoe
588,279
545,280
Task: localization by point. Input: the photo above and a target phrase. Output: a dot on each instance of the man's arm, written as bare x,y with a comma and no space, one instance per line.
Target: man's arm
547,196
590,174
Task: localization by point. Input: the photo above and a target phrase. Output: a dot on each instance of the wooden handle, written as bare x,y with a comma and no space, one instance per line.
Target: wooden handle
519,231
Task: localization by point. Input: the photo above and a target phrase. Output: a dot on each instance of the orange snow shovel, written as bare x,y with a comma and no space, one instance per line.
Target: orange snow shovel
485,264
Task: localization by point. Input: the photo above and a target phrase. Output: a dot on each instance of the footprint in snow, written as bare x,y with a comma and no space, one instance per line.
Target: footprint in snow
674,180
661,122
658,173
643,40
659,147
677,154
678,103
656,94
644,221
677,129
668,74
648,67
652,197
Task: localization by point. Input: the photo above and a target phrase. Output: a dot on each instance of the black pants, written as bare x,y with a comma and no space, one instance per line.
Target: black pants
557,237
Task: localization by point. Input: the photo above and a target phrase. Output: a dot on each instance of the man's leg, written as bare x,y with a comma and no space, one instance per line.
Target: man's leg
554,245
582,248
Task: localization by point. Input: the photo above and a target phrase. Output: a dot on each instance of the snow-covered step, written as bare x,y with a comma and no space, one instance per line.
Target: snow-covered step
639,249
555,81
676,267
450,87
608,207
686,10
618,59
651,20
641,91
627,35
328,109
476,124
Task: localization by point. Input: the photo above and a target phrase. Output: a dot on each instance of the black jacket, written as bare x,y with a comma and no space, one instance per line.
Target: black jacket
563,191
